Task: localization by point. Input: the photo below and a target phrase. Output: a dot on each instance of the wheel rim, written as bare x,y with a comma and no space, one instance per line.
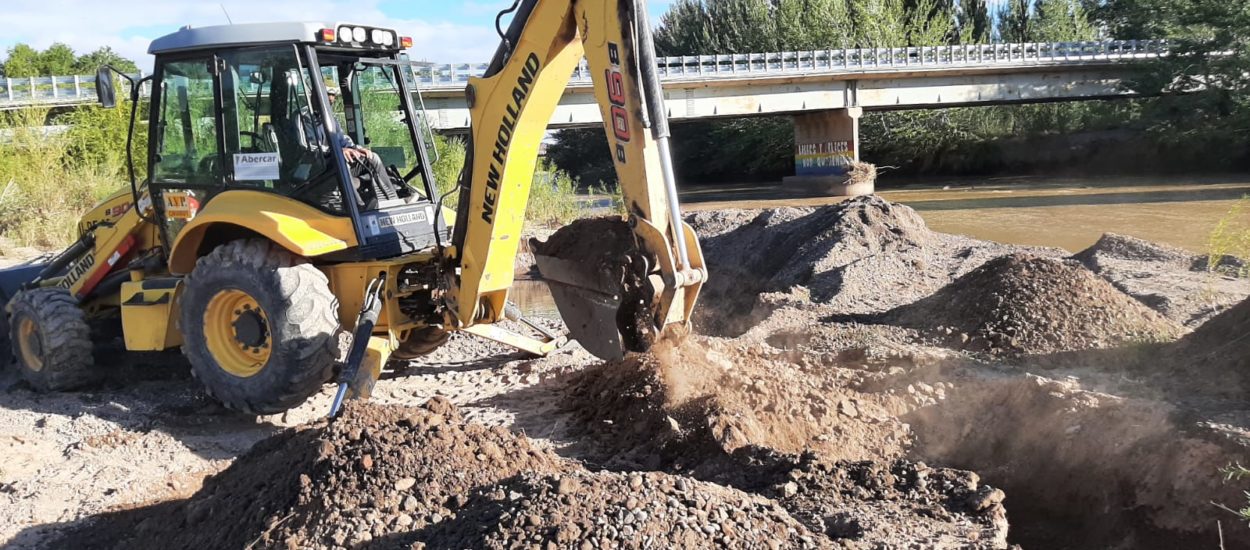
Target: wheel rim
30,344
236,330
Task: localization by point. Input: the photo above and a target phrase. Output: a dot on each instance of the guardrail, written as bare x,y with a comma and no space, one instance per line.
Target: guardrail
63,90
52,90
737,65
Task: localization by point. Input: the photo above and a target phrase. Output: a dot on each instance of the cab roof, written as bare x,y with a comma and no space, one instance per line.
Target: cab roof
244,34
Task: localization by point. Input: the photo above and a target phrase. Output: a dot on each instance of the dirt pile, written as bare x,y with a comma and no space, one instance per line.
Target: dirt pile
1027,305
1169,280
937,507
862,256
743,416
617,510
376,471
704,398
1218,352
401,477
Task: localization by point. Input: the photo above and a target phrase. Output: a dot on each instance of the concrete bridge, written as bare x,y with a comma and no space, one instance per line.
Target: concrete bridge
825,90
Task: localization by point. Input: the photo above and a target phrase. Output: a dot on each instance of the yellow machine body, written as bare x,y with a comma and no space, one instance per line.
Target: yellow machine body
150,314
129,259
294,225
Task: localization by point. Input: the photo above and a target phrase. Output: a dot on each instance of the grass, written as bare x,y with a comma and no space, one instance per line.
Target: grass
1228,246
1237,472
554,195
46,184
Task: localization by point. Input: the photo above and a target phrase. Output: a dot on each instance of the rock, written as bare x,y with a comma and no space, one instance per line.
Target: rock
789,489
848,408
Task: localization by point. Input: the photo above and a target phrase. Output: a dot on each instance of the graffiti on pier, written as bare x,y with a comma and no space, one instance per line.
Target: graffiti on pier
828,158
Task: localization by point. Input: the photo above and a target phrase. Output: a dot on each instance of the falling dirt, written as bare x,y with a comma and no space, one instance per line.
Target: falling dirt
705,398
836,393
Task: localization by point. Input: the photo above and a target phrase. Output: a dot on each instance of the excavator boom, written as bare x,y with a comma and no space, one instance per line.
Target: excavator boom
613,299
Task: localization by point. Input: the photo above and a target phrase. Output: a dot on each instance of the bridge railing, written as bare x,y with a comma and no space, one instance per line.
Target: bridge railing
729,65
52,90
62,90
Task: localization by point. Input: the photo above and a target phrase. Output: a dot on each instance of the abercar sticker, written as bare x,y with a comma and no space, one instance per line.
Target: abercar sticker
255,166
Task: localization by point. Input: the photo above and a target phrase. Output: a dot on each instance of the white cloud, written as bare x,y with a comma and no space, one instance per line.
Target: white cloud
128,26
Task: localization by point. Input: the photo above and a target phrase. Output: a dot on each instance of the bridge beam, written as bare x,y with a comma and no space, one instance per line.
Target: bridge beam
825,145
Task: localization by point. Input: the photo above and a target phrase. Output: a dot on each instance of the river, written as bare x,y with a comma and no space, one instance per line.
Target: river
1068,213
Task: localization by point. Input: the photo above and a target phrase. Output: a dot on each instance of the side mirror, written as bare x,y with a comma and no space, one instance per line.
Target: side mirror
106,88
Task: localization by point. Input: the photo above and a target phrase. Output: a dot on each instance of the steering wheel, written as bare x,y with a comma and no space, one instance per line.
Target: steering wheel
256,139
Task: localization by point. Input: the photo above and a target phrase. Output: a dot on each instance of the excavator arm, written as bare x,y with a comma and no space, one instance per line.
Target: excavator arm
609,309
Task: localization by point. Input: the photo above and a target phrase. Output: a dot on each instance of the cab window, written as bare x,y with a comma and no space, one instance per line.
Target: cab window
273,139
186,130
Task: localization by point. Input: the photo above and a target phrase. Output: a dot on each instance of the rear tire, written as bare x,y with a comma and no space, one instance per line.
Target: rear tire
6,350
259,326
50,340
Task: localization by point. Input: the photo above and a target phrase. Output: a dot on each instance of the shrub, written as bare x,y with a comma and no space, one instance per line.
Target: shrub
1228,246
48,180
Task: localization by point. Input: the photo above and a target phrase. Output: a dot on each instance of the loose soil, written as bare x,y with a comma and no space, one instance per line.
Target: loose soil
828,398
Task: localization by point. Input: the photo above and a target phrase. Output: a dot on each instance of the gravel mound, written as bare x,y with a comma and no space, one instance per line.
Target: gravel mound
377,471
861,256
1026,305
1169,280
616,510
936,507
1219,350
422,477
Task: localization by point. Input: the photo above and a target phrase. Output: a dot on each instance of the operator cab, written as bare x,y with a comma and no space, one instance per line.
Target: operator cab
245,107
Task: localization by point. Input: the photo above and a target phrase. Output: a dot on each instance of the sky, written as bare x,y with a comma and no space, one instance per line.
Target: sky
443,30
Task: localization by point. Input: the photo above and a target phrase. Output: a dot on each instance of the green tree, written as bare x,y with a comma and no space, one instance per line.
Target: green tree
22,61
1208,73
1061,20
879,23
58,59
90,62
973,17
930,23
1014,21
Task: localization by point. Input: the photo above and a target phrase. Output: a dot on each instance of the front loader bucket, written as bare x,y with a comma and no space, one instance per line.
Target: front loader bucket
599,283
12,278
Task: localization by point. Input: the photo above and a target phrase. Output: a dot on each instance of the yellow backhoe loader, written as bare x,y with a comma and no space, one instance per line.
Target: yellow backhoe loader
275,217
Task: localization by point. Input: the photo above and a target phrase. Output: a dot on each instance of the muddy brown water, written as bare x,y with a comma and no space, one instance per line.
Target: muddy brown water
1062,212
1069,213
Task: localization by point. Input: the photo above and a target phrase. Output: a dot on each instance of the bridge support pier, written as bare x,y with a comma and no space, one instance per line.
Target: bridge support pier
825,145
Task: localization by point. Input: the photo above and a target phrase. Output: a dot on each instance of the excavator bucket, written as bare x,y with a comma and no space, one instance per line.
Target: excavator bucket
598,279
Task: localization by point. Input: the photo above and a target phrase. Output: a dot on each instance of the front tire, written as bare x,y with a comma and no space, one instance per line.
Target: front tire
50,340
259,326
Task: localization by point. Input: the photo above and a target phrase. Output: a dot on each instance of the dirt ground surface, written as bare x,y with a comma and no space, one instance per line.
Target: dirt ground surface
855,380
